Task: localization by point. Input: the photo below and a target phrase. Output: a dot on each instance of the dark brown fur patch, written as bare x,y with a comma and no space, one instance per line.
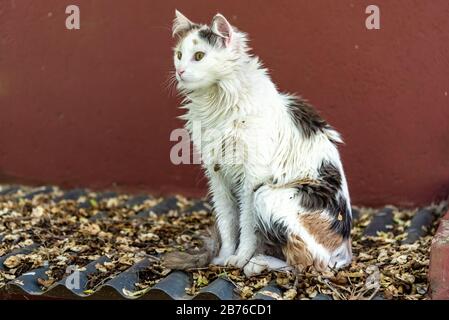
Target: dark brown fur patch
321,229
342,215
210,37
321,193
296,253
307,118
274,232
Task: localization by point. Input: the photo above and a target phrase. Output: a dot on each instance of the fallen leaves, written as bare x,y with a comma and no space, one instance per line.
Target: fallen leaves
200,279
37,212
271,294
13,261
290,294
101,268
79,248
150,236
68,235
382,266
45,282
90,229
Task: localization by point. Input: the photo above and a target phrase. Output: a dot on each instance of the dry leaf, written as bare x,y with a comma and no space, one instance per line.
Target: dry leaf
13,261
290,294
45,283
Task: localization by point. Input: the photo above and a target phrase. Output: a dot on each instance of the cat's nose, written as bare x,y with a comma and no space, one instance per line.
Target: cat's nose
180,72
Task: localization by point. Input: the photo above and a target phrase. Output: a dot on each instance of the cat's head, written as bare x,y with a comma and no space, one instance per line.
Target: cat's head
205,55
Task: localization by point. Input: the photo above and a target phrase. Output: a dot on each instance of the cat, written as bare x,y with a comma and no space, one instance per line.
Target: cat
286,205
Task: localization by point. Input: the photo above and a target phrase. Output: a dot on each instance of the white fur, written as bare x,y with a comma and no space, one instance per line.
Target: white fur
236,103
260,263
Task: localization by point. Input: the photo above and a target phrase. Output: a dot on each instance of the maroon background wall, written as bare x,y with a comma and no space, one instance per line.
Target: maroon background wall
90,107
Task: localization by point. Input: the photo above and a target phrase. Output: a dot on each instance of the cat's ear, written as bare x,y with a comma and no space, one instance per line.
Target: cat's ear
221,27
181,24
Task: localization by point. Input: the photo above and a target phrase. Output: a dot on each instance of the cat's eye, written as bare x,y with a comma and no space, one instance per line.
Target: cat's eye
179,55
199,55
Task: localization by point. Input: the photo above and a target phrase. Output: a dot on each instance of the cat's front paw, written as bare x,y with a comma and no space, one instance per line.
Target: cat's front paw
223,256
219,261
255,266
238,261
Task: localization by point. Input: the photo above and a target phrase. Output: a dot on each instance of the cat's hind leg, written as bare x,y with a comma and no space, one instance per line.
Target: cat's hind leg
277,219
307,237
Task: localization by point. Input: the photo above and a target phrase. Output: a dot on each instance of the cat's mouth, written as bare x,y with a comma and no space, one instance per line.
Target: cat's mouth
185,81
180,78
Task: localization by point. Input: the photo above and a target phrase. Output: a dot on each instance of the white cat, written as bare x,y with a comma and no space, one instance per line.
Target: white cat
286,203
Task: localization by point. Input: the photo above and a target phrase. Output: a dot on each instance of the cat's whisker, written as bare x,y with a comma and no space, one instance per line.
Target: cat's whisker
170,83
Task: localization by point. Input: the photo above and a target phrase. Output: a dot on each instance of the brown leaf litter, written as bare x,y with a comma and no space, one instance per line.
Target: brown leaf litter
67,235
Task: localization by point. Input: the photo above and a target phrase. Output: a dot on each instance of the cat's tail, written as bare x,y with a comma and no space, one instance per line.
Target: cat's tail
190,260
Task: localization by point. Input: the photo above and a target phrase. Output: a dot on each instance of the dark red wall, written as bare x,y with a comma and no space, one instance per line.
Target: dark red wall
90,106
